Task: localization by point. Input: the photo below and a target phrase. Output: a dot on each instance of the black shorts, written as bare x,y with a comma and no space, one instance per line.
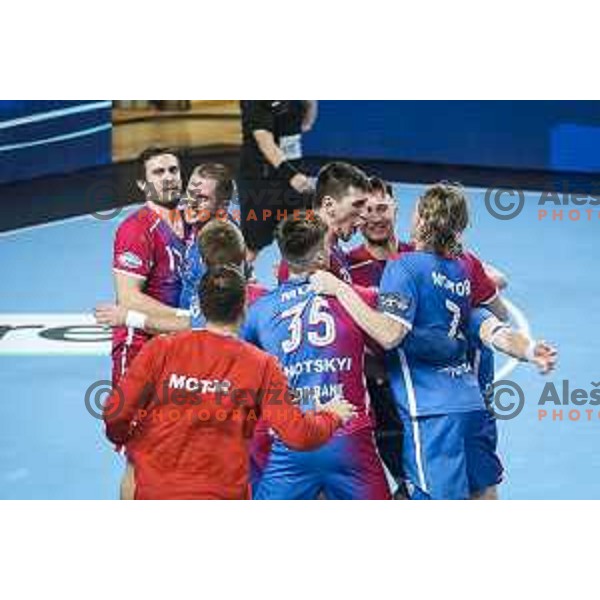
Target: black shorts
263,204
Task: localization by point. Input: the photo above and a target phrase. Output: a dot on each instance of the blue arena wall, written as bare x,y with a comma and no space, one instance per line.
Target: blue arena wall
546,135
43,137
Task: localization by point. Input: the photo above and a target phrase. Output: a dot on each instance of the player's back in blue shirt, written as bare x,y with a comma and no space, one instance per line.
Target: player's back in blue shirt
319,346
432,295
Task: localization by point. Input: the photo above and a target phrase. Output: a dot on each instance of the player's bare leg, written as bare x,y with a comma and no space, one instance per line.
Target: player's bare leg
127,490
489,493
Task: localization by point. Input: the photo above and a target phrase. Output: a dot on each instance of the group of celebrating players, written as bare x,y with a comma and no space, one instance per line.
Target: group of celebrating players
362,375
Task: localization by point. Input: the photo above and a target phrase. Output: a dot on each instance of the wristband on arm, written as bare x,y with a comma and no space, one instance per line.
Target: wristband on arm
135,319
287,170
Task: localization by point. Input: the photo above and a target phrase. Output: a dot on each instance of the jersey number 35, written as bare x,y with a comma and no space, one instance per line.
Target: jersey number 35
320,328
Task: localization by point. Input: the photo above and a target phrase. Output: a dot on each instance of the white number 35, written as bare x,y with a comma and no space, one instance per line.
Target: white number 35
320,331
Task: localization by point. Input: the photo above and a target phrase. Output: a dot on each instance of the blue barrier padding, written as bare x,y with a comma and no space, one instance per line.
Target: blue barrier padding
503,134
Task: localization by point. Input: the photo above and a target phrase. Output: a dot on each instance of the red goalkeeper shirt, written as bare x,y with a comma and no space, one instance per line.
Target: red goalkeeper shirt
186,410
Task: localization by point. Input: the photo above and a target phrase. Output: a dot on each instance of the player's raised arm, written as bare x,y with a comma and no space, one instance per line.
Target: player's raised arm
500,336
386,330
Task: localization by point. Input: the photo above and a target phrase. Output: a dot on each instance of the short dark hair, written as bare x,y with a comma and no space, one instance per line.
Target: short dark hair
336,178
381,186
299,236
222,175
221,243
222,294
149,153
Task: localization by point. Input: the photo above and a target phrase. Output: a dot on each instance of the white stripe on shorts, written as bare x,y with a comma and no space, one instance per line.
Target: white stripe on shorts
412,407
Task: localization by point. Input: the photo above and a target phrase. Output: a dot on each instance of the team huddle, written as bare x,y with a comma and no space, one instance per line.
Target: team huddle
362,375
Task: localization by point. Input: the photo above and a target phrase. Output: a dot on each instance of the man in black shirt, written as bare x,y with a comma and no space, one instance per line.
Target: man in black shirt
270,180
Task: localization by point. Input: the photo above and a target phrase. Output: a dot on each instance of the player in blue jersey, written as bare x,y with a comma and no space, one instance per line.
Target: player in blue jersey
322,352
448,450
367,264
208,196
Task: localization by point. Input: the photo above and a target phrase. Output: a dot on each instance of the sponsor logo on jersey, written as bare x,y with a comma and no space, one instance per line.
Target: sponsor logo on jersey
194,384
130,260
394,303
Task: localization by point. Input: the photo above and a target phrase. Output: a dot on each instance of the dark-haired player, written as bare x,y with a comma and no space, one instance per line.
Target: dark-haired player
378,229
340,198
148,252
322,353
367,263
188,404
220,243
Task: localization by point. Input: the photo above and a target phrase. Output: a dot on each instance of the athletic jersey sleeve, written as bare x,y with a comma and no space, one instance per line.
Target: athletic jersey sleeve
250,330
298,430
132,250
260,116
134,391
398,296
483,288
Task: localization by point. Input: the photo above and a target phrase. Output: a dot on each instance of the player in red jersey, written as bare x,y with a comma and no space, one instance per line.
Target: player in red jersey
148,251
189,402
340,199
367,261
220,243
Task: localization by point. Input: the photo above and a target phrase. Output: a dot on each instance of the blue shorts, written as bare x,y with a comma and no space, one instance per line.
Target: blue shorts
345,468
451,457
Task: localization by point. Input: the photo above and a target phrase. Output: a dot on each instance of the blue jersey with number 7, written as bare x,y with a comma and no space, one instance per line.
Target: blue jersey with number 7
430,293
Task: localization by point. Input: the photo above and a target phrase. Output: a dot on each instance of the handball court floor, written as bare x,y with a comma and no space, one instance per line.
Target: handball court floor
52,448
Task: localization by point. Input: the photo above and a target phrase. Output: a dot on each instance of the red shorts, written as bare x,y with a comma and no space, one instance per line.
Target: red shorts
127,343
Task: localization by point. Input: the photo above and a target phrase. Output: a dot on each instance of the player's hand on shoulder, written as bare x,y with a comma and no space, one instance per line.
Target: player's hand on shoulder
544,357
110,314
324,282
338,406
